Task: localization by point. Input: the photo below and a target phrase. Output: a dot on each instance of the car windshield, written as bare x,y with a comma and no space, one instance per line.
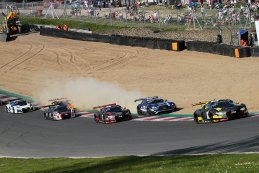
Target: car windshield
222,104
20,103
156,101
62,109
114,109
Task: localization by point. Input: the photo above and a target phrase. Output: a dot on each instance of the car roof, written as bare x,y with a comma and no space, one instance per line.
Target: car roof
18,100
112,106
221,100
153,99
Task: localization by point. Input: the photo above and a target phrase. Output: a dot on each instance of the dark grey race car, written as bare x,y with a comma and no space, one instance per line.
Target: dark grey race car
219,110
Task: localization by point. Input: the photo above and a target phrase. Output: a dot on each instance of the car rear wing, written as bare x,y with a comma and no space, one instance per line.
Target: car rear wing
57,99
140,99
147,98
200,103
102,106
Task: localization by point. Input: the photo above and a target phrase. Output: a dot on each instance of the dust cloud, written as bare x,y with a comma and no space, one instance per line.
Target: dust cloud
85,93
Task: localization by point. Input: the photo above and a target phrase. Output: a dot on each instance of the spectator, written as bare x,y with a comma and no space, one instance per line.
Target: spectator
202,11
179,5
243,42
219,38
99,3
251,40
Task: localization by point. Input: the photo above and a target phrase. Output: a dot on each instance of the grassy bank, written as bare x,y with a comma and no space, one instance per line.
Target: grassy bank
77,24
176,164
101,24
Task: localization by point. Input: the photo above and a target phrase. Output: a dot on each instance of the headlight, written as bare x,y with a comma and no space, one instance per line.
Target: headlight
243,108
153,108
221,113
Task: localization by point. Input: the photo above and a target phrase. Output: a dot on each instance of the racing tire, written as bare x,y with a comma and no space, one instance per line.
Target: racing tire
6,110
13,110
150,112
45,116
195,117
116,119
211,117
139,112
95,119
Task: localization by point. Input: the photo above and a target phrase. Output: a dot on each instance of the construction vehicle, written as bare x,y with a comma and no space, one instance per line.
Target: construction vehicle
10,24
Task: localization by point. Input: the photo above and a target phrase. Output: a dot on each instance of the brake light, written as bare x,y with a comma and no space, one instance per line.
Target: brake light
109,113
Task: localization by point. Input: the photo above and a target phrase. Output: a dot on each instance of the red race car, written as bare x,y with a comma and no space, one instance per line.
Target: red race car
111,113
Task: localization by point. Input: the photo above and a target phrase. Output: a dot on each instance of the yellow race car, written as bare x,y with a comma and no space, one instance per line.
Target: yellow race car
219,110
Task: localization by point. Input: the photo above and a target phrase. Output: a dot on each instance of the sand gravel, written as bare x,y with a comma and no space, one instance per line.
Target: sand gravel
28,63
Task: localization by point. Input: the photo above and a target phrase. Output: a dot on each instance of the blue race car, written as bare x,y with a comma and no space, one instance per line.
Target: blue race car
154,105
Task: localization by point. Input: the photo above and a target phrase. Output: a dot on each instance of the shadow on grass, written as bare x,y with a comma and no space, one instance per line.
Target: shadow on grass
125,164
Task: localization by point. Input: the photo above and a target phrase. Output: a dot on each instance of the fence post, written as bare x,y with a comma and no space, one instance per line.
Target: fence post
126,18
159,19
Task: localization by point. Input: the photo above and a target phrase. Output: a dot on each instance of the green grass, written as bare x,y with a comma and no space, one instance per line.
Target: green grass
100,24
132,164
77,24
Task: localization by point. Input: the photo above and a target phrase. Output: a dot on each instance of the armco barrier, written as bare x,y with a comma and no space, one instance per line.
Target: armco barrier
220,49
74,35
150,42
115,39
241,52
162,44
153,43
139,42
178,45
255,51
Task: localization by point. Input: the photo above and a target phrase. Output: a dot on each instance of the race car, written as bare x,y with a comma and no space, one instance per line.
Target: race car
111,113
19,106
58,113
60,102
154,105
219,110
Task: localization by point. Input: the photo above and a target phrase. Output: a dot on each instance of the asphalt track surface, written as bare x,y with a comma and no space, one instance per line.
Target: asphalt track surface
30,135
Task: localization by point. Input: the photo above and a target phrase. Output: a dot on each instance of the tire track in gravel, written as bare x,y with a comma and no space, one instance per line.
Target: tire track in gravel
17,58
57,56
26,59
127,56
72,59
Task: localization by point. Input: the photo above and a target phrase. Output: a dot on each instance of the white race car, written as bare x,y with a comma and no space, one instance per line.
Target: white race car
19,106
